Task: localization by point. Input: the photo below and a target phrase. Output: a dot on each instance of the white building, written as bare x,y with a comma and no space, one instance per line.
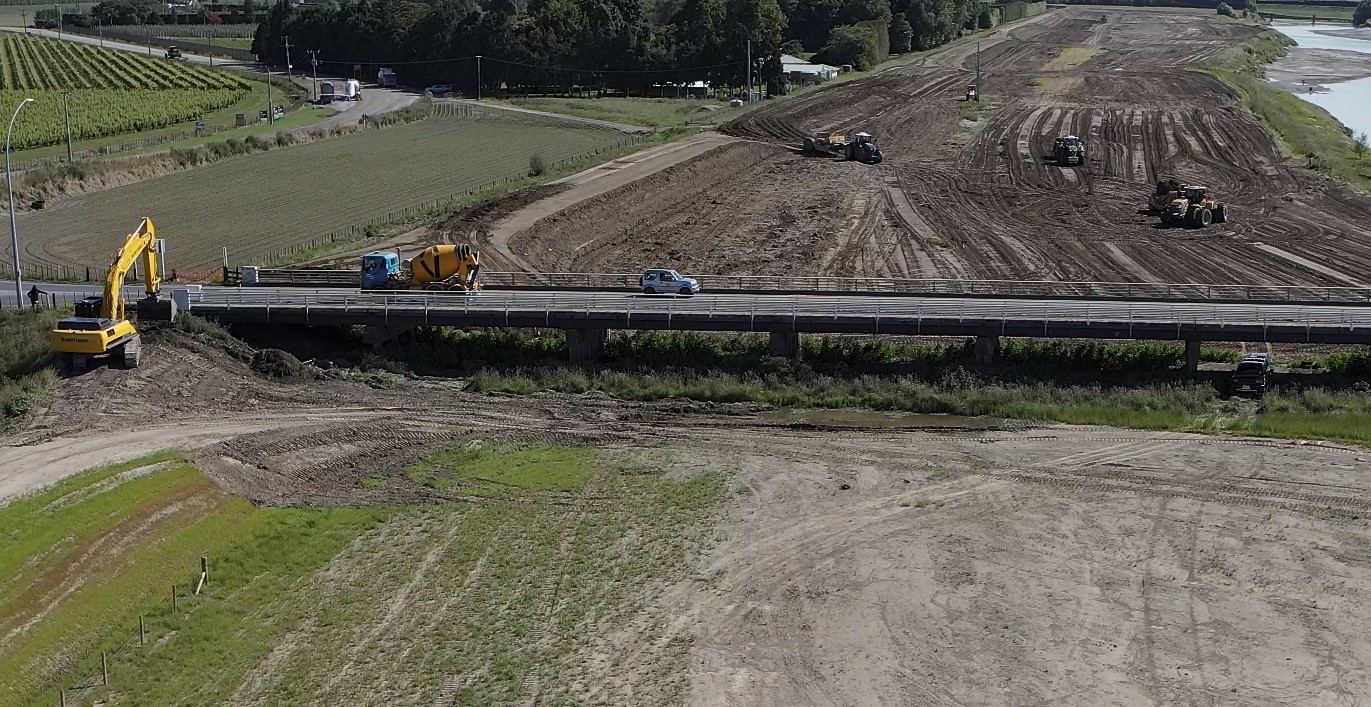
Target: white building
795,65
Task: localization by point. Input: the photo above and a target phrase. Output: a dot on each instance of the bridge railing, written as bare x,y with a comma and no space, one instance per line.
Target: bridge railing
982,288
786,307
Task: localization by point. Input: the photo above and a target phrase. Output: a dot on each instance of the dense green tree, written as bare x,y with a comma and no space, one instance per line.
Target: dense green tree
901,34
850,44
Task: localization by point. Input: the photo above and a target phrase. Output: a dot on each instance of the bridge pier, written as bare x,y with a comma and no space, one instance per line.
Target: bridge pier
378,335
586,346
986,351
1192,359
785,344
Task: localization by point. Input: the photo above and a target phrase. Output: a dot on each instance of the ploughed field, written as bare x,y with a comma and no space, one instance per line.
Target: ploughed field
969,191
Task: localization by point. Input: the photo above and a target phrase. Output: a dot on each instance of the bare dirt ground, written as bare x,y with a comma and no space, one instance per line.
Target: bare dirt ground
966,190
1001,566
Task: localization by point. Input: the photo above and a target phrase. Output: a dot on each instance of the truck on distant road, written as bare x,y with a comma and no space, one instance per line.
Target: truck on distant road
385,78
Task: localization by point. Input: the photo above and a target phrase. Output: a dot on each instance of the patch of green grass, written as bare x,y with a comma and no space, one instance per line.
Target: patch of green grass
1071,57
373,482
1337,13
85,558
648,112
498,594
501,468
27,373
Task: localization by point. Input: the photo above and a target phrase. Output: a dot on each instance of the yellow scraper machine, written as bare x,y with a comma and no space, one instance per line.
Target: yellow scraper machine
101,327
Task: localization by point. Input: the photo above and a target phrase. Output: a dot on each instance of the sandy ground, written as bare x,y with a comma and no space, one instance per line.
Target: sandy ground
1060,566
1311,70
855,564
968,191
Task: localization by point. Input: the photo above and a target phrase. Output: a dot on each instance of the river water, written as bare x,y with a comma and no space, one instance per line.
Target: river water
1348,101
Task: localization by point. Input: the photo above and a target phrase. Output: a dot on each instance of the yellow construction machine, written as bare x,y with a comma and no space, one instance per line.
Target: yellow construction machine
101,327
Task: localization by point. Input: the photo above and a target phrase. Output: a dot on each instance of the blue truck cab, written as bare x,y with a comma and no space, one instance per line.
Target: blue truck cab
377,268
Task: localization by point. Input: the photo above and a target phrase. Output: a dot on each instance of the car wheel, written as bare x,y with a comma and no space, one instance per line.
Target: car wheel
686,291
649,291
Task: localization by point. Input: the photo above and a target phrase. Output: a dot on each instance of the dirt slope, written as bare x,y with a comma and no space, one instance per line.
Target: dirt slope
966,190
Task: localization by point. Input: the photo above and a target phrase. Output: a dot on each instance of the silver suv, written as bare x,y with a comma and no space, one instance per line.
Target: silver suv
667,282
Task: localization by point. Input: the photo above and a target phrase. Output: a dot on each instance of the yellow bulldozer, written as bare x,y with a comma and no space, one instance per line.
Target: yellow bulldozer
101,327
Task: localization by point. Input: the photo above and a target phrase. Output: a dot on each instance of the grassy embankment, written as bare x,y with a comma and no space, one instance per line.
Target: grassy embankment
396,599
85,558
1306,131
27,375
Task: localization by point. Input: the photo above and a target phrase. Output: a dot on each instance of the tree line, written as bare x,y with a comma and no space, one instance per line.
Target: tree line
620,45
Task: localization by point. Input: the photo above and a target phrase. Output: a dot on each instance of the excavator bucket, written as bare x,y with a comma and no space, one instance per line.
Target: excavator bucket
153,309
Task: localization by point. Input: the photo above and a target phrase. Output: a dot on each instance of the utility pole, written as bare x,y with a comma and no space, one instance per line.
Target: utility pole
66,120
749,68
288,76
478,77
56,7
314,62
978,71
271,115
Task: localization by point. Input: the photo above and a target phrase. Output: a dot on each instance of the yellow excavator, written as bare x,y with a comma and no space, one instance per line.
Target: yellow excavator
101,328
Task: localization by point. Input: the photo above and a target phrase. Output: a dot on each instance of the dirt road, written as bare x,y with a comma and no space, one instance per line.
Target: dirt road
967,190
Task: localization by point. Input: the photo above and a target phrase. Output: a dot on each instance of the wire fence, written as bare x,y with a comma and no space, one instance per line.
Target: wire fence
157,625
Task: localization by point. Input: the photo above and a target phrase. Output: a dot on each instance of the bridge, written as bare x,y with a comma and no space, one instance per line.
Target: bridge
588,316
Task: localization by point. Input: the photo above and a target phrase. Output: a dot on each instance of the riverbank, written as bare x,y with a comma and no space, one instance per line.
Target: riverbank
1330,68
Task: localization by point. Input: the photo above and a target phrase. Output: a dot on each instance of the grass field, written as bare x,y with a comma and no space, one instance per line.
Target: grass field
1336,14
291,196
18,14
111,92
84,559
531,594
651,112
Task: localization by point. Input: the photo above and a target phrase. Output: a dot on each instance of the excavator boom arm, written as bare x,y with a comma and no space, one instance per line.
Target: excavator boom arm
141,242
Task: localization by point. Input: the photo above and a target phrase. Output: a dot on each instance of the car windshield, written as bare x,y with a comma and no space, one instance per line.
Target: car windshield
1250,367
371,264
671,275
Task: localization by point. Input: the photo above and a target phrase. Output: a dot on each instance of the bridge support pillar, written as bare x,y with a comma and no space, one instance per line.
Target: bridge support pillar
378,335
785,344
586,346
986,351
1192,359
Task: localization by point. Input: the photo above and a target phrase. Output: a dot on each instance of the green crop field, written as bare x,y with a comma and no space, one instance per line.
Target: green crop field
290,196
111,92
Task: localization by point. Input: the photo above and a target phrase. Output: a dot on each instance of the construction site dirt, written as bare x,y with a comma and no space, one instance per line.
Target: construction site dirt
855,562
968,190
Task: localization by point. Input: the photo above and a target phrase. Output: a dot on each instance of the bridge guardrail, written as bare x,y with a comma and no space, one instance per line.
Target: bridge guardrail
903,286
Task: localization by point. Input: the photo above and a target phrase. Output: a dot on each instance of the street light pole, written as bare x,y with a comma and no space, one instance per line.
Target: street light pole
14,226
66,120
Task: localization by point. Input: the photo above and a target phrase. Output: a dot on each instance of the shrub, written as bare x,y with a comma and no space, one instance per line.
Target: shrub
537,164
1226,10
